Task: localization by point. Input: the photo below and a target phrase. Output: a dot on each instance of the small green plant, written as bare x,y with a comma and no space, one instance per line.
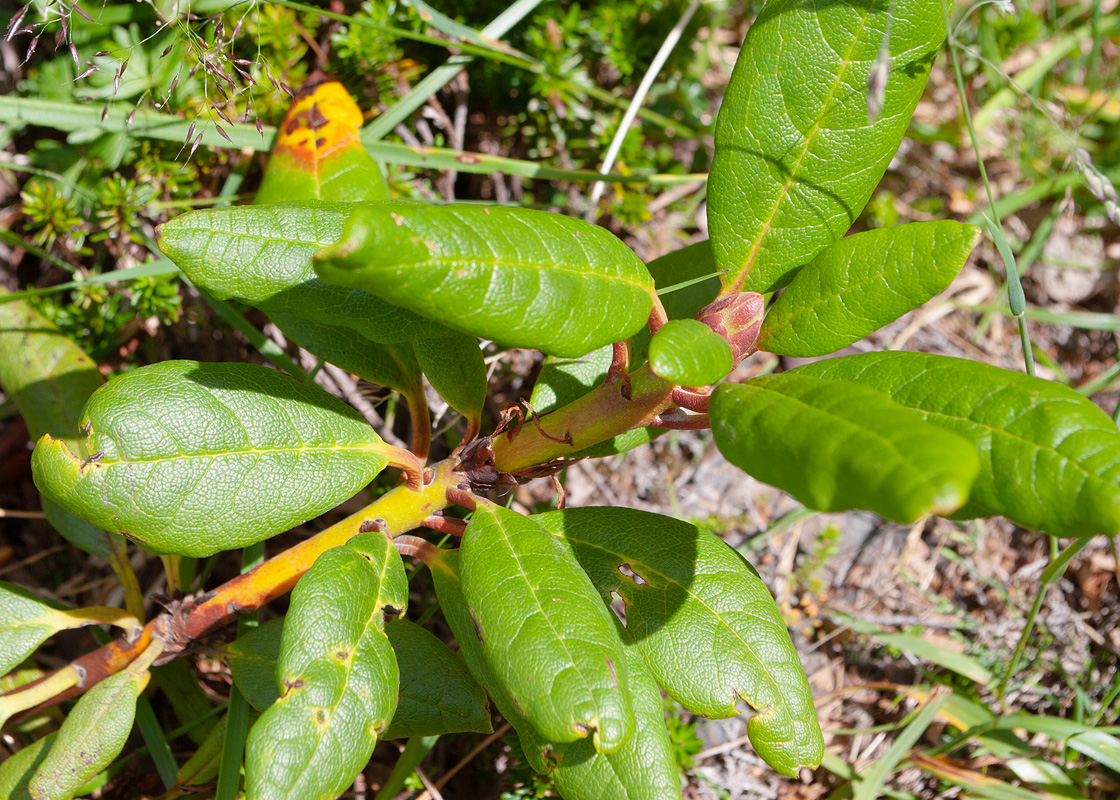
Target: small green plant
189,459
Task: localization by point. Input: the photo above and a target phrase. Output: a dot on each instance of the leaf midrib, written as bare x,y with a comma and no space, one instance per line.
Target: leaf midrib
794,170
592,695
250,451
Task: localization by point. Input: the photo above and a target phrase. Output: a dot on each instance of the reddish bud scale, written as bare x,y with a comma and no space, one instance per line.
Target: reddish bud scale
737,319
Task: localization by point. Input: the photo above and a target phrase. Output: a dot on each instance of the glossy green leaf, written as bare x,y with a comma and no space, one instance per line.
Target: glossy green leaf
194,458
863,282
26,622
17,770
706,624
1049,458
836,445
337,673
317,154
523,278
796,157
438,694
49,378
455,368
689,353
392,365
544,632
261,255
638,770
94,733
252,663
446,577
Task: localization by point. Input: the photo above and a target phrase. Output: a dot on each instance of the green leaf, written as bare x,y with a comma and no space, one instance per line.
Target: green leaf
337,673
638,770
544,632
26,622
446,569
317,154
521,277
194,458
202,766
563,380
438,694
457,371
17,770
94,733
836,445
796,157
49,378
706,624
392,365
261,255
864,282
689,353
252,662
1049,458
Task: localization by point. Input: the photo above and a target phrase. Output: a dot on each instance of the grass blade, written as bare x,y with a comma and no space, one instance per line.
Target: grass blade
872,781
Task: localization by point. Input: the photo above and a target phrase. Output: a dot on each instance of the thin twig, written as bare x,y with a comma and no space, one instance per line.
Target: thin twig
451,773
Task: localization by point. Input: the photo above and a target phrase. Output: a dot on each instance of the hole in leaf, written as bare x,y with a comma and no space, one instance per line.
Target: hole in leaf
618,606
638,580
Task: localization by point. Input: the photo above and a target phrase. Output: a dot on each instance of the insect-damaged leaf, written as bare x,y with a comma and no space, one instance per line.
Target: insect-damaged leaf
543,630
194,458
261,255
707,626
94,734
796,157
337,675
1049,458
863,282
643,768
836,445
521,277
438,694
317,154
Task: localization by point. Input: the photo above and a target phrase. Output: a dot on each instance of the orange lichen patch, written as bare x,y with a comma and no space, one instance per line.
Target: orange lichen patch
319,123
